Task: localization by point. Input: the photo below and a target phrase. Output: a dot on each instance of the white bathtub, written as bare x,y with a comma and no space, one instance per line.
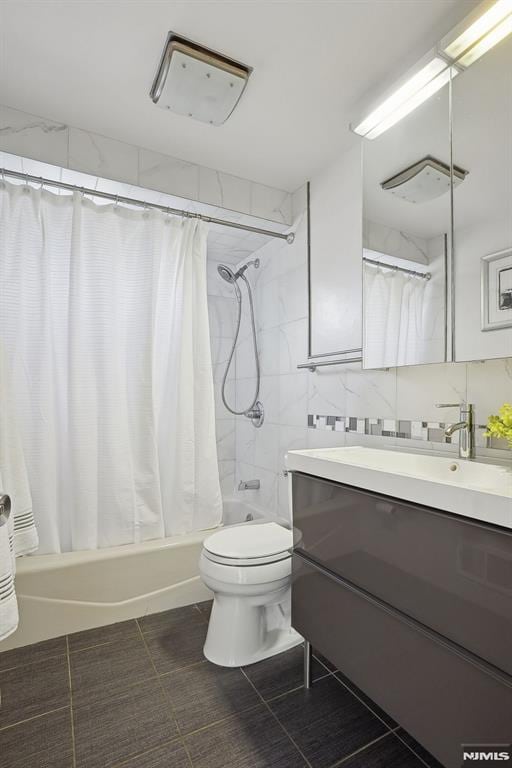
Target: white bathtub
60,594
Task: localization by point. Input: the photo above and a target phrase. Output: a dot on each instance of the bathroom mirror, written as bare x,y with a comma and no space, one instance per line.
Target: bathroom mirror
406,239
482,206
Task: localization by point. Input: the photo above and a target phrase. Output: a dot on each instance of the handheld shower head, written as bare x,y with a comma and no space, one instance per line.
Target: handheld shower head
226,273
229,276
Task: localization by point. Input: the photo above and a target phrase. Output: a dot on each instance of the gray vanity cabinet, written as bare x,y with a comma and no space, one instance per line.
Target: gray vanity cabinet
413,605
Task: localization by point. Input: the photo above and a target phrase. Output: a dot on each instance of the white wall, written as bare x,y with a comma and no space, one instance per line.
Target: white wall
289,395
45,140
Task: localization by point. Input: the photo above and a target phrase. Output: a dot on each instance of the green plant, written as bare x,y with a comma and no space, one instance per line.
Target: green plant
501,425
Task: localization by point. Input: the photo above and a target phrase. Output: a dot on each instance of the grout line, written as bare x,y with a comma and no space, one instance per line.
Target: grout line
413,752
125,760
277,720
29,663
71,702
35,717
361,749
172,711
297,688
390,729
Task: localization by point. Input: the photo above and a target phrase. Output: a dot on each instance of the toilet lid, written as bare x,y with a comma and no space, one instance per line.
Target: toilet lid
244,542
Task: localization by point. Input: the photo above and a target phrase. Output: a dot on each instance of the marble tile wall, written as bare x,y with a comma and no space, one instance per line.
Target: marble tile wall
69,147
289,395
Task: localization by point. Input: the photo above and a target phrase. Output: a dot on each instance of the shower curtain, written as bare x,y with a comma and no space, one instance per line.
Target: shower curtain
396,317
104,318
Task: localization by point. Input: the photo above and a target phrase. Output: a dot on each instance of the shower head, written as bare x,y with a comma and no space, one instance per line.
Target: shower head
229,276
226,273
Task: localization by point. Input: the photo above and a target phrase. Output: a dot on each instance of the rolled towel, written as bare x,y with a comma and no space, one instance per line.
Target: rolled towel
8,602
18,535
13,470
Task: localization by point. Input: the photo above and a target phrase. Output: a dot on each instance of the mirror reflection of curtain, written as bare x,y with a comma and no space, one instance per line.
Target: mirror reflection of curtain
397,317
104,319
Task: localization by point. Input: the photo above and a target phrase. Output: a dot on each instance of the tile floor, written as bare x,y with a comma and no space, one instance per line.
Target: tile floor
139,694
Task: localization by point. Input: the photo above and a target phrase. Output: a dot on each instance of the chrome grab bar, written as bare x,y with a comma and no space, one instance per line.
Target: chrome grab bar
5,508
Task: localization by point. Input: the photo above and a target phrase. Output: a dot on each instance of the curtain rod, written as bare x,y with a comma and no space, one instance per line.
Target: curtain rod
424,275
289,237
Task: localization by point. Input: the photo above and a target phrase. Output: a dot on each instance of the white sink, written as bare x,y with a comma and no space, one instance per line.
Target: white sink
471,488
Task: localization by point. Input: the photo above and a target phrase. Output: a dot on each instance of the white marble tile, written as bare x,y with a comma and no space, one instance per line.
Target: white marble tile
292,439
266,497
227,478
421,387
293,399
267,305
293,295
221,411
168,174
489,386
222,312
269,346
225,434
269,396
292,345
245,391
272,204
101,156
31,136
220,350
370,393
299,202
384,239
327,392
324,438
245,440
224,190
266,447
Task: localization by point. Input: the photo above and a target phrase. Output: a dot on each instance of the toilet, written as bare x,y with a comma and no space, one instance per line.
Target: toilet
248,569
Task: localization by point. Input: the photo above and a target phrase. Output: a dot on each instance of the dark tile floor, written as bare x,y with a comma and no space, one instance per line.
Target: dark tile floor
139,694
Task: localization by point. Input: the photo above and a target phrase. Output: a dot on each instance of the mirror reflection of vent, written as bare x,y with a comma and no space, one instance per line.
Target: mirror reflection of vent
425,180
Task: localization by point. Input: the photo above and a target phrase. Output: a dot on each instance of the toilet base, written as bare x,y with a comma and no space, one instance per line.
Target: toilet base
240,633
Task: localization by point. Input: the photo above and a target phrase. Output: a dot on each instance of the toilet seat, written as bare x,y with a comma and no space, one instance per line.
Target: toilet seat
249,545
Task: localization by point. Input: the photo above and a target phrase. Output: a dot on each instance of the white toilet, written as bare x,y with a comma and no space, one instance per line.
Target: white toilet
248,568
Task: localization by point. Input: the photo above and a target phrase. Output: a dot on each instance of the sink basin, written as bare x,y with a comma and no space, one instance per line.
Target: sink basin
474,489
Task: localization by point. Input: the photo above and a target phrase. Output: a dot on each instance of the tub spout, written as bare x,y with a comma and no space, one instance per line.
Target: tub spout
249,485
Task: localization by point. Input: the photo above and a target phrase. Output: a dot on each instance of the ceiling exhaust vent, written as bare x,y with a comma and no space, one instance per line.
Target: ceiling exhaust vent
425,180
196,82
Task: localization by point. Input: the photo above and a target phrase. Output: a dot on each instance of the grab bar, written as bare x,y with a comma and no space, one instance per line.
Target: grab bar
312,366
5,509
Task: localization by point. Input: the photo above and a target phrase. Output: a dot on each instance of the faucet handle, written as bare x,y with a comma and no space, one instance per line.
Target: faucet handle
449,405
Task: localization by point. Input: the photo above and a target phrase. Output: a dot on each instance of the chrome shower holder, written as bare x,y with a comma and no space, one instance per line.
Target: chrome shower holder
256,414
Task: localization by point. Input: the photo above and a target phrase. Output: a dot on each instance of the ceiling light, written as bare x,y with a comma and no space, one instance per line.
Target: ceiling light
494,37
480,28
196,82
395,106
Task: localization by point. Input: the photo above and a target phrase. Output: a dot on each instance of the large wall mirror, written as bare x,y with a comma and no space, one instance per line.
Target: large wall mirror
406,239
482,144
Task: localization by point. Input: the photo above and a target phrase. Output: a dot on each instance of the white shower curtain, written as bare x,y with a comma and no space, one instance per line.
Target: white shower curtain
104,318
396,317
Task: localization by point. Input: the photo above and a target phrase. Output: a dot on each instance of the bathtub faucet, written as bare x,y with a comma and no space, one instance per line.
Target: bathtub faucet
249,485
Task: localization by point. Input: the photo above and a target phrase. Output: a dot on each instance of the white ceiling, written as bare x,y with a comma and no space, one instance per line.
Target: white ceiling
91,64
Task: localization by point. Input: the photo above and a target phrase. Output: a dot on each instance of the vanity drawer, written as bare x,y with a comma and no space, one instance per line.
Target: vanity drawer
440,696
447,572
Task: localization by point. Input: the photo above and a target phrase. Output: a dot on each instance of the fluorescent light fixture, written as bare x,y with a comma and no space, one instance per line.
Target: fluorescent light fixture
494,37
395,106
480,29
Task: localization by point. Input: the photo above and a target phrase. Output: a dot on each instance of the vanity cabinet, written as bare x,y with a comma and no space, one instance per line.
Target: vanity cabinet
412,604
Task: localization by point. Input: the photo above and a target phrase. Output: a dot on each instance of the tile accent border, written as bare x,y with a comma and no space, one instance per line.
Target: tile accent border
406,429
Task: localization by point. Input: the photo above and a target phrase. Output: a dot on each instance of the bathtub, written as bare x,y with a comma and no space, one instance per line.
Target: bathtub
61,594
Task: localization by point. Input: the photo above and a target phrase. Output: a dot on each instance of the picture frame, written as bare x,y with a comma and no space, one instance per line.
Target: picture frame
496,287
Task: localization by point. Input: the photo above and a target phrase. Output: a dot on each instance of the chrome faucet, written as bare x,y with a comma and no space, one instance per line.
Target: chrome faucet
249,485
466,427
